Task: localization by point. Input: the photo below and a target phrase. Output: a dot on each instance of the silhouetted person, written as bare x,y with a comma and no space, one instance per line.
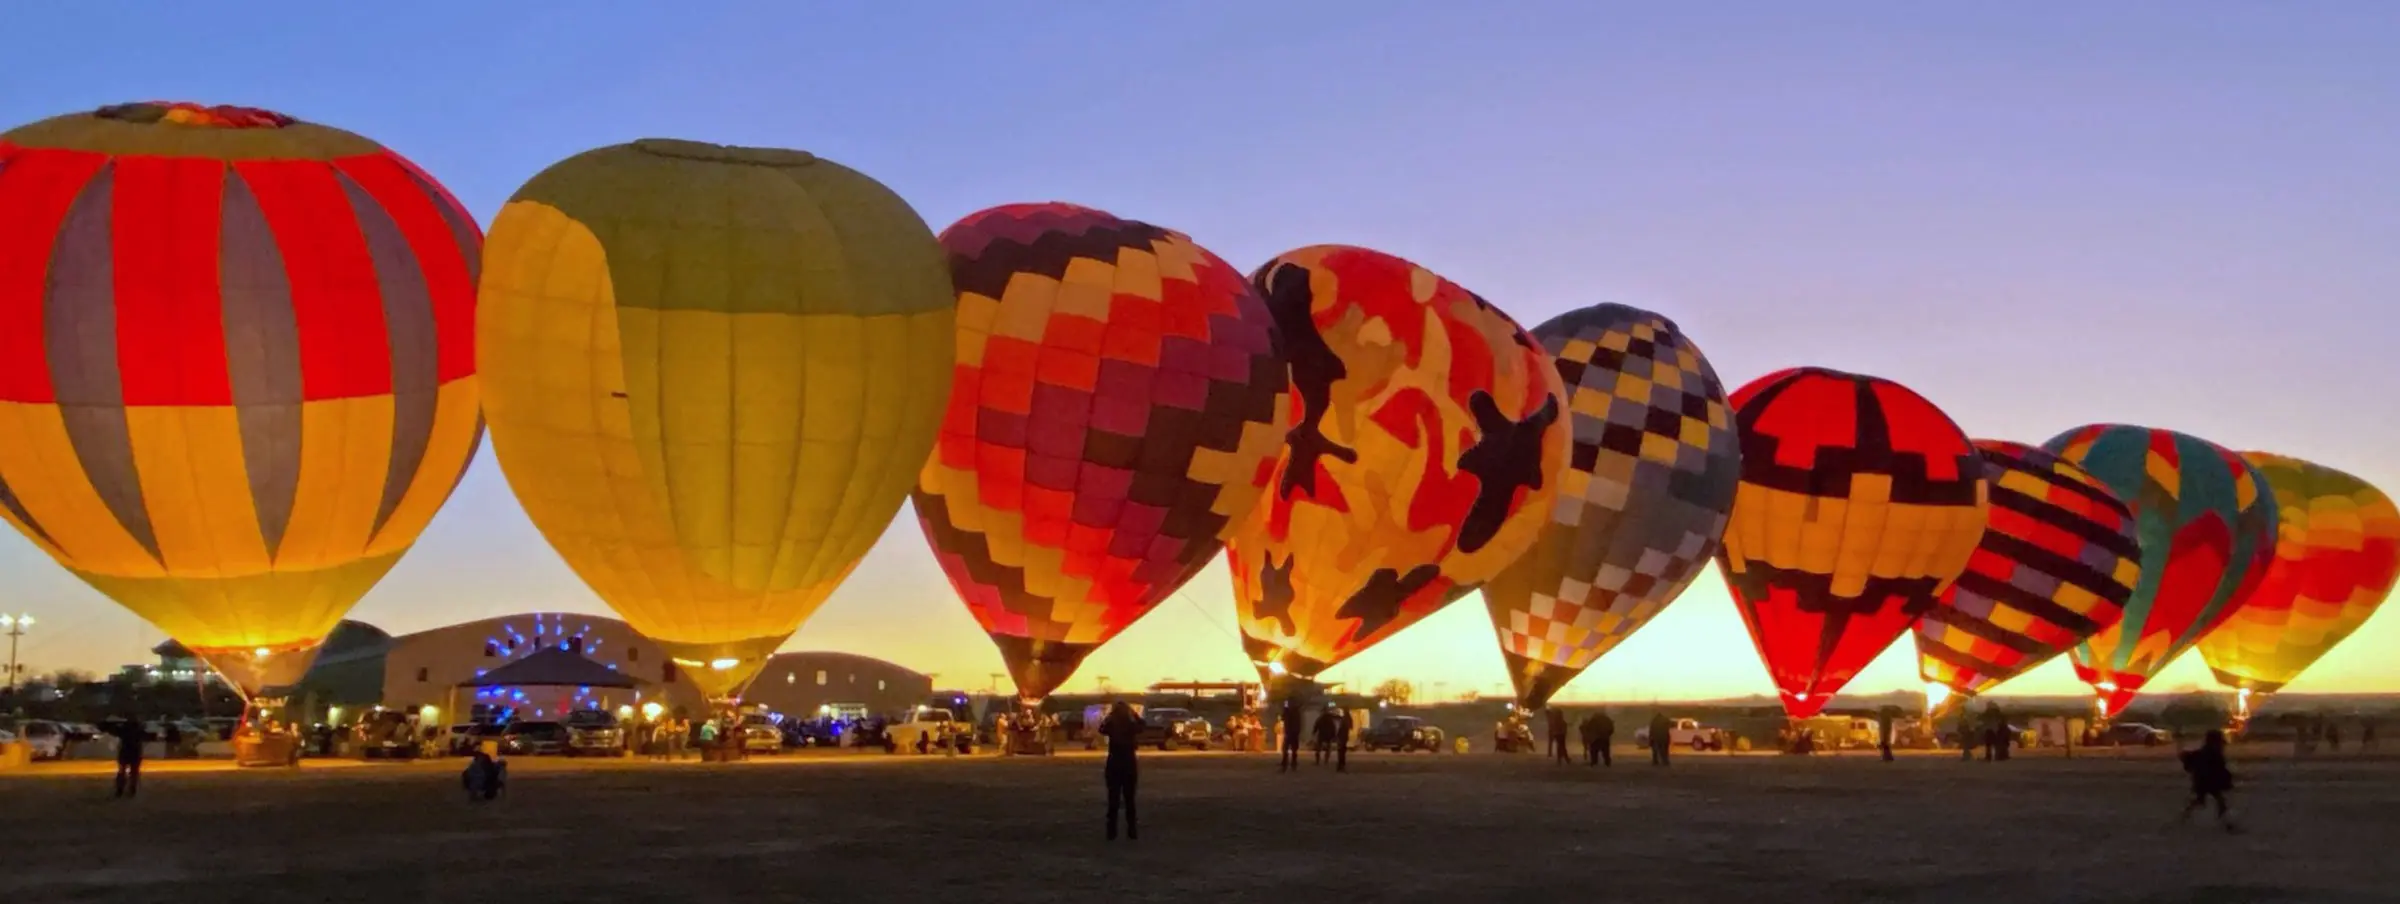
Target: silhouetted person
1323,732
1995,732
484,776
1123,730
1662,736
2211,777
130,738
1883,730
1341,740
174,741
1555,722
1291,736
1597,732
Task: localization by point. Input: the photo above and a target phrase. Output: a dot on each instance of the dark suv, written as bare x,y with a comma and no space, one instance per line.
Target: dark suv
1172,728
534,738
1401,734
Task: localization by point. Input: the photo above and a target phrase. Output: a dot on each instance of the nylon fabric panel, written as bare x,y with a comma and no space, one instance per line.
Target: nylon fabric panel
50,485
274,609
443,243
456,430
37,188
336,301
197,487
344,452
2337,556
262,354
163,229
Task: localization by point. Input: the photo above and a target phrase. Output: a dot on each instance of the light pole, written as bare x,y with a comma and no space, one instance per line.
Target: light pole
16,625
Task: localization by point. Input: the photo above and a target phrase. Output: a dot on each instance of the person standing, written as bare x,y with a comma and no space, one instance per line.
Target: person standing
1123,730
2211,777
1291,735
1995,732
1603,732
130,739
1883,730
1554,721
1661,738
1322,734
1341,740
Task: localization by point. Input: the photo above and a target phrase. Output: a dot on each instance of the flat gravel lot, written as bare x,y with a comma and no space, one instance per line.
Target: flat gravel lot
1218,827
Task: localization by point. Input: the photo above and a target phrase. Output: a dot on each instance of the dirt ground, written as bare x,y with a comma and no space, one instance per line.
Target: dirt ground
1217,827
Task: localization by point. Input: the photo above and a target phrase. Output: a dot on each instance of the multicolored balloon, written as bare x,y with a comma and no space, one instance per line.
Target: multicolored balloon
1859,503
1116,410
1423,462
1642,502
2336,558
712,374
2207,530
237,369
2055,566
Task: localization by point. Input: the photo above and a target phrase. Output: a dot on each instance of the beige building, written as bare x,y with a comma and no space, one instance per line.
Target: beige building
413,671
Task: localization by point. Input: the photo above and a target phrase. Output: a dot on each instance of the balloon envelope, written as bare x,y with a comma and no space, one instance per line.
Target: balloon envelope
2207,529
237,371
1642,501
1422,462
2336,557
1859,503
1116,409
2055,565
712,374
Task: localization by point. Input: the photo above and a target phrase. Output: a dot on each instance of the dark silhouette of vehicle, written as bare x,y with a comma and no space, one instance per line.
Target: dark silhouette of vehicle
592,732
534,738
1401,734
1168,729
2130,734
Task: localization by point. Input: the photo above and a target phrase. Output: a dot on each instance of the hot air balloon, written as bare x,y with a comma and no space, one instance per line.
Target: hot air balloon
237,372
711,376
2207,530
2055,565
1116,409
2336,558
1423,460
1641,503
1859,503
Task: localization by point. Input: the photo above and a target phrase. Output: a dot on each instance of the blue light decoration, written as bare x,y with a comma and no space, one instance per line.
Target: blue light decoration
517,647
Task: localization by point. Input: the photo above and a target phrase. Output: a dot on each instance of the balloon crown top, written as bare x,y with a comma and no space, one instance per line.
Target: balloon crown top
719,153
155,112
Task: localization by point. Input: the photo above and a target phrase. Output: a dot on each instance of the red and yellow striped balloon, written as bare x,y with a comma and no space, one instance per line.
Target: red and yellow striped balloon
237,367
2337,555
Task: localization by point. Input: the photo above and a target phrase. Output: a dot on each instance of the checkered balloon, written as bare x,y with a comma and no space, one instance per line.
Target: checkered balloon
2055,565
1641,503
1859,503
1117,408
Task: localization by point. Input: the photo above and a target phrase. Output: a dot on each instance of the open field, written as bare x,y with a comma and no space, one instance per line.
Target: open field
1218,827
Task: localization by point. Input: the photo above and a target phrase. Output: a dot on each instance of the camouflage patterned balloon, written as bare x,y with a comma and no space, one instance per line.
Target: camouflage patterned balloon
1423,461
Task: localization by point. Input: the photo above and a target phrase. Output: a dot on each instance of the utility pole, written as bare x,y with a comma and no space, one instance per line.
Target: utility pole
16,625
994,687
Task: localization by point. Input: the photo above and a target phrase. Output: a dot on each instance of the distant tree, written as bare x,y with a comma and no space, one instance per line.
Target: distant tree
67,680
1396,690
2194,714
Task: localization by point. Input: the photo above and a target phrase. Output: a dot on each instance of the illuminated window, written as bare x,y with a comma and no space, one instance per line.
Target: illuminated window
879,684
820,677
789,678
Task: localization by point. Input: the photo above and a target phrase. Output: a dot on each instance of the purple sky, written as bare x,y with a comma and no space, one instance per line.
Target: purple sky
2037,214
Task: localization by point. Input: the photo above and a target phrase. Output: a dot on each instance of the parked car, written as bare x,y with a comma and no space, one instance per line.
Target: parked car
2131,734
1401,734
591,732
47,739
465,738
761,735
922,731
387,735
534,738
1165,729
1685,733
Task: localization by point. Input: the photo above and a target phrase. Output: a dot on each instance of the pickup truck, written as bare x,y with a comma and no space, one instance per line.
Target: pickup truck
1685,733
1401,734
923,731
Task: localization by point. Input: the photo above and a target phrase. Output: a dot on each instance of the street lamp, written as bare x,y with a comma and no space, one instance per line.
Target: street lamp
16,626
